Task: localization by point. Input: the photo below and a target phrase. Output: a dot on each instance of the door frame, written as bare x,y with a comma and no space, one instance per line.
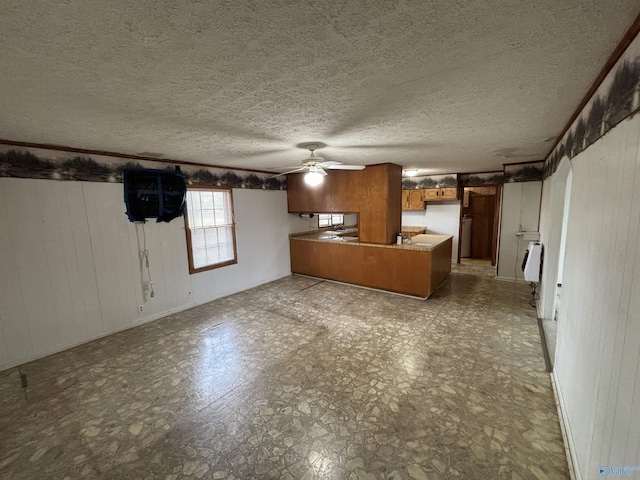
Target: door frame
496,220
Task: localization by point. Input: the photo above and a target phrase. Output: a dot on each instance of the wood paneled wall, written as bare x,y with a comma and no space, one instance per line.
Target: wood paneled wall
597,360
70,266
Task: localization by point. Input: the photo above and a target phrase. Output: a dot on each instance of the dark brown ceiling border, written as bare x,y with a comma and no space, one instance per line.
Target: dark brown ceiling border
107,153
613,58
523,163
483,171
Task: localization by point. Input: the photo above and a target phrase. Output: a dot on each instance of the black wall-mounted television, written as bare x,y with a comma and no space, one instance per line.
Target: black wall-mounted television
150,193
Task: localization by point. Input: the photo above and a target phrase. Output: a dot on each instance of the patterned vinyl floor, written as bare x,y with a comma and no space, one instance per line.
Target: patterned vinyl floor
298,379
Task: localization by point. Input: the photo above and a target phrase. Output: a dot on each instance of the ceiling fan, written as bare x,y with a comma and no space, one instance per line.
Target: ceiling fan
316,167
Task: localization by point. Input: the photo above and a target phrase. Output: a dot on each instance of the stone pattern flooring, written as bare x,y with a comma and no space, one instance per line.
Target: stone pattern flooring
298,379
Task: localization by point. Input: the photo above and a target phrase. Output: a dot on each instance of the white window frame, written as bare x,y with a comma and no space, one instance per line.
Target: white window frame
330,219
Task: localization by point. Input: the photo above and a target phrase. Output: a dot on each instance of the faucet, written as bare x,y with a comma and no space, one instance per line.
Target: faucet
337,227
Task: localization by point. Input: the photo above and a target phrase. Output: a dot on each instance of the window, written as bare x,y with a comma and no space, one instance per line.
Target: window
210,227
328,219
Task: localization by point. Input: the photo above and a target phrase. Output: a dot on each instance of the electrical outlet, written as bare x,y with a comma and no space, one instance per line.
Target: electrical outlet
140,308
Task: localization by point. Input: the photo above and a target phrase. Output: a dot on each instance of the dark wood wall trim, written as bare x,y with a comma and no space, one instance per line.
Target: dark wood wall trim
524,163
484,171
613,58
128,156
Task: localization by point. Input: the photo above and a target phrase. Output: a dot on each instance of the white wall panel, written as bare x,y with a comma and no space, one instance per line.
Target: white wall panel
71,268
4,354
597,362
84,279
551,226
15,328
260,231
54,220
416,218
26,229
113,259
547,230
439,217
74,325
520,210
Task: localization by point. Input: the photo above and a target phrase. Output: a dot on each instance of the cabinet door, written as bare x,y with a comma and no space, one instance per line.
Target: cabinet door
431,194
449,193
406,204
303,198
416,200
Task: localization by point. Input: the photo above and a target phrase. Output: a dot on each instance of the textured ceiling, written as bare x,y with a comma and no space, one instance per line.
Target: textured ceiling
442,85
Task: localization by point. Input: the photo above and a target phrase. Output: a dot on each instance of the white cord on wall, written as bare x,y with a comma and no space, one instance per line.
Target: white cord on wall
145,254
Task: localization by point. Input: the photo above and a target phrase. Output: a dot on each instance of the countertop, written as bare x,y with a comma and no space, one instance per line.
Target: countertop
422,242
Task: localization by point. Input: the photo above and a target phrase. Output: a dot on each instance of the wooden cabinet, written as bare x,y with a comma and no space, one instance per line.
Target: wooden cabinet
302,198
402,270
374,193
413,199
431,194
450,193
440,194
406,199
416,200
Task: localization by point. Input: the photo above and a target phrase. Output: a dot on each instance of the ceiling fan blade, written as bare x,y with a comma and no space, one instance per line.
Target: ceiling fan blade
321,172
329,163
290,171
313,159
344,167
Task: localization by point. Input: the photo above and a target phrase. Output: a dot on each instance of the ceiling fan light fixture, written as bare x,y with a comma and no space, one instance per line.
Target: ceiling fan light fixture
411,172
313,178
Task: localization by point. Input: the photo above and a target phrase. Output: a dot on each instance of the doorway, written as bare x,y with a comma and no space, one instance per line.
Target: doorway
479,218
550,309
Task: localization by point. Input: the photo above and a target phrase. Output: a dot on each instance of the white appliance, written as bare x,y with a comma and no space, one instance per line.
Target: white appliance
465,240
532,262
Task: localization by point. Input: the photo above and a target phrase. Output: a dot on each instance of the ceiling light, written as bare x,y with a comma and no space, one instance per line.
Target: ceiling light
411,173
313,179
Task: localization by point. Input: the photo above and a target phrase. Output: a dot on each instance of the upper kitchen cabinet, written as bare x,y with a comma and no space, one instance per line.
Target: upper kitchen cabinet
304,199
450,193
431,194
405,199
336,194
375,193
440,194
435,188
413,199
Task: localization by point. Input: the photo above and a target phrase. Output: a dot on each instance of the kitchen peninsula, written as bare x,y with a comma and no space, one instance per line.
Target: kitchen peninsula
368,257
415,269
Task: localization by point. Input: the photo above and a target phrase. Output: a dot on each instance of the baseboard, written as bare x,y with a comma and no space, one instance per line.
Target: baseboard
545,347
137,322
567,439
